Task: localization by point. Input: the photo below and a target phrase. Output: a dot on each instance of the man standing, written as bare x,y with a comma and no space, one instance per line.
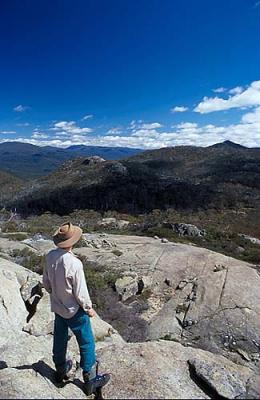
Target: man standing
64,279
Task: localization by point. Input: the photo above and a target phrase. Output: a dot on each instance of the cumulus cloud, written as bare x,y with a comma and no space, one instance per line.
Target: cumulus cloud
249,97
115,130
252,117
151,135
153,125
219,90
245,132
236,90
21,108
70,128
179,109
39,135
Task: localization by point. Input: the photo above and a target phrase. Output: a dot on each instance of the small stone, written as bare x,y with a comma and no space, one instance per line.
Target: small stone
164,240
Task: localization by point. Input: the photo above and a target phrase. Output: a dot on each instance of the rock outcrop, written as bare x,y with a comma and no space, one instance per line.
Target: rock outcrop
197,296
201,326
188,230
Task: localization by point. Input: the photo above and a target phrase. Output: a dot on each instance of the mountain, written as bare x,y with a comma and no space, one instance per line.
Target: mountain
183,177
109,153
28,161
228,144
9,186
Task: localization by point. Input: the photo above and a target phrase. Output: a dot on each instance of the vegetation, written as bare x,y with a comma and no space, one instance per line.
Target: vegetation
223,227
181,178
29,259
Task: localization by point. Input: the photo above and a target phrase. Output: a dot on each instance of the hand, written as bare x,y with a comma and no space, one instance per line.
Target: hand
91,312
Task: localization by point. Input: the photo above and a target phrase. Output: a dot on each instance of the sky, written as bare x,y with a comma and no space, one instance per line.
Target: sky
132,73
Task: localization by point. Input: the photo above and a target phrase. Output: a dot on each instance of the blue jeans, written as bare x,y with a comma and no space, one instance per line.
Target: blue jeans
80,326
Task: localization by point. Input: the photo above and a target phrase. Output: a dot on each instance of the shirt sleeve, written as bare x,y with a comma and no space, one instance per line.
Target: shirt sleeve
45,280
80,289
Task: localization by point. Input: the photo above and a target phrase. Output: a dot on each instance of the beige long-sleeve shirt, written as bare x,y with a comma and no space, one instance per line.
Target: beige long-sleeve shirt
64,279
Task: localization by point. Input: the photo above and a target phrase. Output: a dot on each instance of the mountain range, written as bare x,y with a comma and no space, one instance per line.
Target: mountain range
28,161
184,177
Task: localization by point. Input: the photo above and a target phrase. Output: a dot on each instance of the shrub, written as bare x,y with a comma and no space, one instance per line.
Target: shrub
29,259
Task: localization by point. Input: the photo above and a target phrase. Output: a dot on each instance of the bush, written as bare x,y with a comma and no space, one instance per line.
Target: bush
29,259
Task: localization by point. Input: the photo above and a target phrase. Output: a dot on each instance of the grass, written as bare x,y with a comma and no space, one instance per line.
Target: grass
29,259
222,226
18,236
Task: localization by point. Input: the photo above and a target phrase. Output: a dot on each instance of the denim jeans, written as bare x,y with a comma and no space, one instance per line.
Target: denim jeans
81,327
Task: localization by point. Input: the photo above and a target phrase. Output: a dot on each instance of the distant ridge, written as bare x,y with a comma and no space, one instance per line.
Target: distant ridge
28,161
182,177
228,143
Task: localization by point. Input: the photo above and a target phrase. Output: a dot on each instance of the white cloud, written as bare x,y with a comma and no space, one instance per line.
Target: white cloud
39,135
89,116
153,125
21,108
187,125
151,135
70,128
249,97
236,90
115,130
219,90
246,132
179,109
252,117
7,132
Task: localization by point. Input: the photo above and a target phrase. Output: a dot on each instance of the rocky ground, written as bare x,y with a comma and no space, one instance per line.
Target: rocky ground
187,322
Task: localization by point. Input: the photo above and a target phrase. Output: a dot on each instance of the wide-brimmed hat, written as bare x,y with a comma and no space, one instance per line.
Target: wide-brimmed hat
67,235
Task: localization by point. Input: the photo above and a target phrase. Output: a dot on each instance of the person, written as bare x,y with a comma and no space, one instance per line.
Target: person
64,280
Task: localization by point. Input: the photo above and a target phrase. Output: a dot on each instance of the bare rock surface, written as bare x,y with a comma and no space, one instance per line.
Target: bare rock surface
12,309
7,245
162,370
39,244
199,297
205,305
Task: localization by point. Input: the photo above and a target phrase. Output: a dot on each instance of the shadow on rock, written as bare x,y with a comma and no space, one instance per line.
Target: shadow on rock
48,372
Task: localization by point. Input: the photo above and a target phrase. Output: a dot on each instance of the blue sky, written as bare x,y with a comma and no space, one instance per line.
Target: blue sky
146,73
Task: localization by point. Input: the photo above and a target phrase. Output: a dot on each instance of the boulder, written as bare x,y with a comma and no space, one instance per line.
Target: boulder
188,230
118,168
97,242
93,160
251,239
113,223
126,287
224,377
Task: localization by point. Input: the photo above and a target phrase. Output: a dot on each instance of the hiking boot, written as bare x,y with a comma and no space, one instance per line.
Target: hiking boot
92,386
62,372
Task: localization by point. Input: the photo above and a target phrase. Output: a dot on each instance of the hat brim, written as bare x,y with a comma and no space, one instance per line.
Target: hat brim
69,242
